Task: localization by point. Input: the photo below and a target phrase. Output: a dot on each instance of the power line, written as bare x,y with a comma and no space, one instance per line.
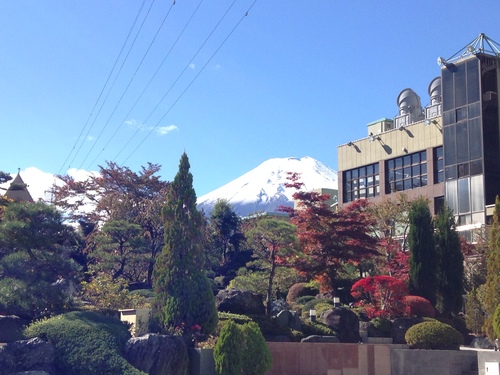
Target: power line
103,88
192,81
148,84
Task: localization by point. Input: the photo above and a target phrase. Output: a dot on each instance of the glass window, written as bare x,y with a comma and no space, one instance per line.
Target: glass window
472,80
463,196
475,139
477,193
357,180
406,172
474,110
451,195
447,87
476,167
462,142
450,173
450,147
449,118
460,85
461,114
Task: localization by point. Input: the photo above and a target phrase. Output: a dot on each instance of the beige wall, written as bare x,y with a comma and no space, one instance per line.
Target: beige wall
416,137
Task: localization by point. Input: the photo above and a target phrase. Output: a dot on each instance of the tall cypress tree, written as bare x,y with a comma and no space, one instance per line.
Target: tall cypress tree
422,252
492,299
184,297
450,262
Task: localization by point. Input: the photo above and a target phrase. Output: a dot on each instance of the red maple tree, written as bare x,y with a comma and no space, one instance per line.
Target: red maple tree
381,296
329,239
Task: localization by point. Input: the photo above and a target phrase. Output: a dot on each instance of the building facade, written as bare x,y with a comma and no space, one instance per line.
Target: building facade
448,151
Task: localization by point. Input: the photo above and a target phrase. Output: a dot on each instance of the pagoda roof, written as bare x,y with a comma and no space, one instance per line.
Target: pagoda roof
18,191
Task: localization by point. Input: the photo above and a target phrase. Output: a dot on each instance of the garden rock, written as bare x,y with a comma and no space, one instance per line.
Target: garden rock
482,343
399,328
11,328
158,354
240,302
34,355
315,338
344,322
277,306
289,319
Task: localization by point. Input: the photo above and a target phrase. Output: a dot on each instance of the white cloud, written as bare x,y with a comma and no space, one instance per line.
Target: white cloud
164,130
40,183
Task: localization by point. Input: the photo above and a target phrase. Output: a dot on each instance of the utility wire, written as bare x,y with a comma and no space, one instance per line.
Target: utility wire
192,81
115,79
147,85
103,88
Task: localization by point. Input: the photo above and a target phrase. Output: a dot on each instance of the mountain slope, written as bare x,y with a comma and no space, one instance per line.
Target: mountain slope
262,188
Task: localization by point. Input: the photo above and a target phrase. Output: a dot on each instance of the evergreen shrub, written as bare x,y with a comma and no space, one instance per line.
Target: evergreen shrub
383,325
312,304
304,299
433,335
86,343
241,349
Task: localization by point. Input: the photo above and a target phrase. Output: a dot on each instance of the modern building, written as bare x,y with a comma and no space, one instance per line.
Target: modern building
448,151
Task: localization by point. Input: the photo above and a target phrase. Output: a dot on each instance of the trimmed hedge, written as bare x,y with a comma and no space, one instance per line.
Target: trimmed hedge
241,349
433,335
86,343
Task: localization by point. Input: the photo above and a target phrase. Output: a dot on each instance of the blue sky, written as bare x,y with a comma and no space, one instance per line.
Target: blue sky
292,78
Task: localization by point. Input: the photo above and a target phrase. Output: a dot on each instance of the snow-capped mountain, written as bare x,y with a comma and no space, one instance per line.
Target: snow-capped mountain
262,189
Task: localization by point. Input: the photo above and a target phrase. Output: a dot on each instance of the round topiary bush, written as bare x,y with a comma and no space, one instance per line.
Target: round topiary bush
312,304
433,335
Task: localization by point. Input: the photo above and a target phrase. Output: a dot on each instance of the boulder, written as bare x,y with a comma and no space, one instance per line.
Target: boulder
158,354
400,326
315,338
482,343
27,355
289,319
344,322
277,306
240,302
11,328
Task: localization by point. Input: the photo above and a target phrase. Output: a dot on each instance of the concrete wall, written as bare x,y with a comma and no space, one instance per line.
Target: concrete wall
430,362
291,358
486,356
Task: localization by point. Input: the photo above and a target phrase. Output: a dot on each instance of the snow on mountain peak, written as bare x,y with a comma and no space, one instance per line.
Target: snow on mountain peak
263,188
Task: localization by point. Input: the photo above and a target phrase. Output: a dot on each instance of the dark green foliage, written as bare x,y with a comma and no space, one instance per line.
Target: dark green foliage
255,347
496,322
433,335
492,294
86,343
183,294
227,351
382,325
242,350
226,233
450,264
316,328
35,260
300,289
304,299
423,265
474,317
312,304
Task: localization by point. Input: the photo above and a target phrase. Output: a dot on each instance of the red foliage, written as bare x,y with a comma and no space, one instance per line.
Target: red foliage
380,295
329,239
398,261
418,306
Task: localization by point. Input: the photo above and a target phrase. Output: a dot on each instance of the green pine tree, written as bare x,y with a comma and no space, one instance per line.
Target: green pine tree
492,296
422,252
450,264
184,297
